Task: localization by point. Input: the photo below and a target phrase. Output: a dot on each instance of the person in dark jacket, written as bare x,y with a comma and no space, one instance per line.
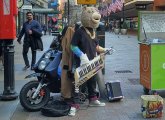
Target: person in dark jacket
33,32
44,28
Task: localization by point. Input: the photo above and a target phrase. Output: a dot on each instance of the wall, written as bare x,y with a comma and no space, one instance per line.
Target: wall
159,2
159,5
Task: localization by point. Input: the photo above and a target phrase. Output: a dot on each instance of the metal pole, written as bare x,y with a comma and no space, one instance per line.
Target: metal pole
65,13
123,13
9,81
19,21
46,20
68,12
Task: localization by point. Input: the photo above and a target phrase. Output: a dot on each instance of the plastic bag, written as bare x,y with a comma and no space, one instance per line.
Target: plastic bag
55,109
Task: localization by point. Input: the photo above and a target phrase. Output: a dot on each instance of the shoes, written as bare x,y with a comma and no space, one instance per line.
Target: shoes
72,111
26,67
74,108
96,103
32,67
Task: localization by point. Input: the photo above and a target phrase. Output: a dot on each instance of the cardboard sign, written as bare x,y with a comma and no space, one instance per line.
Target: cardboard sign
151,25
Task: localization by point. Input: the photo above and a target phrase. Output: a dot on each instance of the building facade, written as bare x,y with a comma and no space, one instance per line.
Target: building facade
129,13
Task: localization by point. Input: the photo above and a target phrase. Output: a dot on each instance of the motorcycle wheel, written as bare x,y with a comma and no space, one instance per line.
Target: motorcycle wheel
27,92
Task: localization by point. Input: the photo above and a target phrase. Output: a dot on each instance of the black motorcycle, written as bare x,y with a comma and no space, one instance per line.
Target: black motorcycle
36,93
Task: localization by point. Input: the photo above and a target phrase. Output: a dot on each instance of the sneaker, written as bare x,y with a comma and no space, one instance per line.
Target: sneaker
72,111
32,67
26,67
96,103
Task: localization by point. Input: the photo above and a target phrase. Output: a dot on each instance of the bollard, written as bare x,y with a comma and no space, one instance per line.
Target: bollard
8,12
9,81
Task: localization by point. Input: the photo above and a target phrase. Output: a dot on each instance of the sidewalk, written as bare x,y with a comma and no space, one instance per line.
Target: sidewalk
123,66
7,108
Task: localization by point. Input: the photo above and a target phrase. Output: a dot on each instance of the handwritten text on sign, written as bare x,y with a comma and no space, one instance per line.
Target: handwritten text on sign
153,22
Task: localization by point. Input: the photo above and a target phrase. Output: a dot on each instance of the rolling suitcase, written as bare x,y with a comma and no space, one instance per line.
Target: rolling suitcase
114,92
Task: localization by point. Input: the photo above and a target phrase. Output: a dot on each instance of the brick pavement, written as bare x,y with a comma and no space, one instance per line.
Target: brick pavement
126,57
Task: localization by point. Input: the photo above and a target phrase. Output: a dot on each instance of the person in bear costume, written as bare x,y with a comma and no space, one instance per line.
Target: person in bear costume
85,47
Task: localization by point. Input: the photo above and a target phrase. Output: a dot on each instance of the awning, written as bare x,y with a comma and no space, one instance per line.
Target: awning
46,11
133,3
130,9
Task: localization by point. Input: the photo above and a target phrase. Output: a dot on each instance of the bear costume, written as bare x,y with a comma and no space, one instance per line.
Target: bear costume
85,47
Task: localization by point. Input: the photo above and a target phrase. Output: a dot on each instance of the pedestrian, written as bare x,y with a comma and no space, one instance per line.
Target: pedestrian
110,27
32,39
44,28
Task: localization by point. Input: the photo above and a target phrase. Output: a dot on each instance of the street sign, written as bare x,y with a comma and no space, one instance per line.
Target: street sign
27,7
86,2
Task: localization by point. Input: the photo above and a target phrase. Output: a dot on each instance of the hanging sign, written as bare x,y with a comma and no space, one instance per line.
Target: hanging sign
86,2
27,7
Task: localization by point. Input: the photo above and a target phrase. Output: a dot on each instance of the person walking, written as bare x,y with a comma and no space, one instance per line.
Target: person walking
110,27
44,28
33,32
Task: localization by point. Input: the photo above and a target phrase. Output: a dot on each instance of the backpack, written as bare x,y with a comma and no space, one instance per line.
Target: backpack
55,109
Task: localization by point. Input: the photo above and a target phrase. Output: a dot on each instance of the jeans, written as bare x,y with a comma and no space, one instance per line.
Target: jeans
92,93
26,47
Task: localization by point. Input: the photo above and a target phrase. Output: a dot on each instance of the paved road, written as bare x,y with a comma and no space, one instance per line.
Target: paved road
123,66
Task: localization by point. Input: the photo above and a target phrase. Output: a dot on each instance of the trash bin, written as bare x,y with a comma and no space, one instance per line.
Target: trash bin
101,37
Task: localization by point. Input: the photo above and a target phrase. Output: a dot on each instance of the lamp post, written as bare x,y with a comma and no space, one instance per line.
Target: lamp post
20,3
68,12
7,36
123,13
123,16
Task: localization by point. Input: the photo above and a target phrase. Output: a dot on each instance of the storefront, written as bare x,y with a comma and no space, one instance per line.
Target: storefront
129,13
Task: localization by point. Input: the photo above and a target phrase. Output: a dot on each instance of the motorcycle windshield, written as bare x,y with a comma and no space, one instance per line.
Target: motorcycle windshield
52,67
